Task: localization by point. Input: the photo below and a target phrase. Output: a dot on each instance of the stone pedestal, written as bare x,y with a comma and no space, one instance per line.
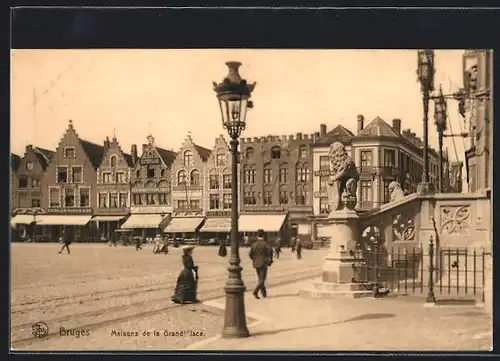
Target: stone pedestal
337,271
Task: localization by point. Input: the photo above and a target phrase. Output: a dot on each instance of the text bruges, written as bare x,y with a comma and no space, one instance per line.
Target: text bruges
73,332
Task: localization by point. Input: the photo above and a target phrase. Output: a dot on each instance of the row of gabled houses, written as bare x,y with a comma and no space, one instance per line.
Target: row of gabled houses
98,189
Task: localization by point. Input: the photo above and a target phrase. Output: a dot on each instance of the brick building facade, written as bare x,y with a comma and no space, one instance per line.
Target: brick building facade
113,188
188,178
69,186
217,200
276,181
150,178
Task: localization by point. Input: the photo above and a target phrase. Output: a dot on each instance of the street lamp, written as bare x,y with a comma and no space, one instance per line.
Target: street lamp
425,74
234,100
440,116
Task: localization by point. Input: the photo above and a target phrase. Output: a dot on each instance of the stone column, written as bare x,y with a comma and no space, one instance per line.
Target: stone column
342,228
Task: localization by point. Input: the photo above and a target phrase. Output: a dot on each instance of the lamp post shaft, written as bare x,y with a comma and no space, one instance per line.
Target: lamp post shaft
425,175
441,162
235,325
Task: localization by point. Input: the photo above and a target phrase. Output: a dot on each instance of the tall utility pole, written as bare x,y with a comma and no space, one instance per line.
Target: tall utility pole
425,74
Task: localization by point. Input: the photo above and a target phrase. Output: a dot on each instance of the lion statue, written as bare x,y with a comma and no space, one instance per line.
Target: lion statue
343,178
395,191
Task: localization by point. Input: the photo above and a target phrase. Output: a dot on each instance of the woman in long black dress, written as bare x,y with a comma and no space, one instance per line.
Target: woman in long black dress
187,282
222,247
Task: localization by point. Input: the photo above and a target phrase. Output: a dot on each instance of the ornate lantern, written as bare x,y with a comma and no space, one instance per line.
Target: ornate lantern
440,112
234,100
425,70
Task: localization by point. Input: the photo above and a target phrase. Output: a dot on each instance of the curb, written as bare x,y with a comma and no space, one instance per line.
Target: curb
197,345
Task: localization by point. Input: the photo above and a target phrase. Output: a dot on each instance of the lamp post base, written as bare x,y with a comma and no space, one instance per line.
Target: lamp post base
424,188
235,323
430,298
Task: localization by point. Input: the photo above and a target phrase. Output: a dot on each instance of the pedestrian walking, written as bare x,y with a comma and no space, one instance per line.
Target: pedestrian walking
187,281
292,244
113,240
262,257
299,250
277,249
138,243
67,239
223,247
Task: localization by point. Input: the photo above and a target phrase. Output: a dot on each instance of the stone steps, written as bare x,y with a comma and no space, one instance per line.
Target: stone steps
319,289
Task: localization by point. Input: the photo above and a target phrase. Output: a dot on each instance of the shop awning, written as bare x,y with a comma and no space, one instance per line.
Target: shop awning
142,221
53,220
22,219
217,225
183,225
266,222
107,218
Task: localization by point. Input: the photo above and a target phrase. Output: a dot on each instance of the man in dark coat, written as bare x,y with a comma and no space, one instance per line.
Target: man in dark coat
66,238
299,249
277,249
262,256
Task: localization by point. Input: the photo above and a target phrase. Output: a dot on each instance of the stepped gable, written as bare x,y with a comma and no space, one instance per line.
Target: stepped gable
128,157
339,133
203,152
168,156
15,161
93,151
378,128
44,156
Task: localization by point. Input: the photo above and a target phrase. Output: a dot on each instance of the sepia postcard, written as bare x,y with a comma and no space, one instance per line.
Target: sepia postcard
251,200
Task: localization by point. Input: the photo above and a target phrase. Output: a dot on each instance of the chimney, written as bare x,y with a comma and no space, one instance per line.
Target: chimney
29,148
361,123
133,153
316,136
299,136
396,125
322,129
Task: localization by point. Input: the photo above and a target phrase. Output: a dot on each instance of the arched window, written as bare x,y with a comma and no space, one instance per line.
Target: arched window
188,158
275,153
302,173
249,152
267,174
162,173
226,178
112,161
303,151
213,179
195,177
138,173
181,177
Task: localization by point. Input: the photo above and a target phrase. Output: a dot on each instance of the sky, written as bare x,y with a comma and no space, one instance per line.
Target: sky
169,93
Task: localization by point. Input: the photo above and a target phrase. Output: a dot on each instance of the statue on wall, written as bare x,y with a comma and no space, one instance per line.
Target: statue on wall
395,191
343,180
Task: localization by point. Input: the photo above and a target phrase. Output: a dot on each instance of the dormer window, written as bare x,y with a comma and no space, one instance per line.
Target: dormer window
221,160
249,153
29,166
112,161
303,153
275,153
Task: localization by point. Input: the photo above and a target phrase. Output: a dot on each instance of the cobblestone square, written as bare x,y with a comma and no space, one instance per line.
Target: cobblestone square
101,289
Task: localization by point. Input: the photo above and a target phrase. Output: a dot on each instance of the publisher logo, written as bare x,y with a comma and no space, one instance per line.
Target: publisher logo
40,329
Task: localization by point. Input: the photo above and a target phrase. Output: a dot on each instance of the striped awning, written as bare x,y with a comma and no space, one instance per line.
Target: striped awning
107,218
142,221
266,222
183,225
217,225
60,220
22,219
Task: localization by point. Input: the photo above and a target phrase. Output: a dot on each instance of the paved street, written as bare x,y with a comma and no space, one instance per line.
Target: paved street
101,289
287,322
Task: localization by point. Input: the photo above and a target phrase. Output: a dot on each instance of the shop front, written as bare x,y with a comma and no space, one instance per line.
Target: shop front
272,224
217,226
184,227
107,225
77,225
146,224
